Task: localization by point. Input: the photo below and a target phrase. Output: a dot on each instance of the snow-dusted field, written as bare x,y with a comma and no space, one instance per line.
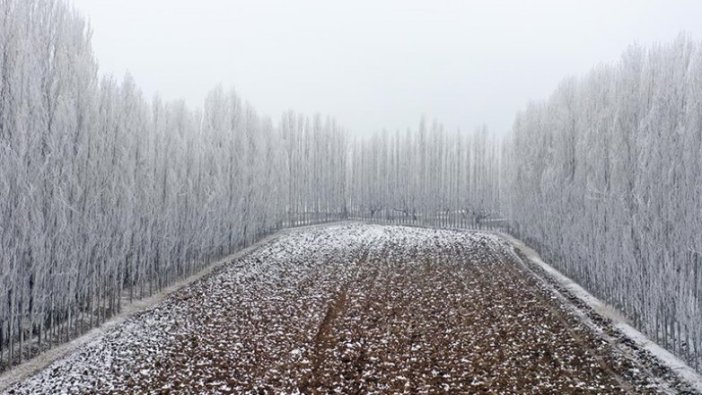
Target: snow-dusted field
357,309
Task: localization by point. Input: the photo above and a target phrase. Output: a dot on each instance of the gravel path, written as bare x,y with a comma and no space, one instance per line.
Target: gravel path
354,309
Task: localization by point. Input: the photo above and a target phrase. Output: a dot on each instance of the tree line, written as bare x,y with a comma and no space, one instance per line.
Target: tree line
428,177
605,177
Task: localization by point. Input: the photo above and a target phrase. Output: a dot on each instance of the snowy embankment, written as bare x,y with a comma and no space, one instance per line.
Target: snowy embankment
654,354
355,308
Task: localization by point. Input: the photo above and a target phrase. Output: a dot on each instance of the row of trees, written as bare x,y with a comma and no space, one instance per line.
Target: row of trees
315,153
106,197
427,176
605,176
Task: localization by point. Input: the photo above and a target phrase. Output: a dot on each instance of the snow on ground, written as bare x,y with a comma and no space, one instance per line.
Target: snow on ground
654,355
355,308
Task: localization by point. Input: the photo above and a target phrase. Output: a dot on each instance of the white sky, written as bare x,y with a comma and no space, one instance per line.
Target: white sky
375,64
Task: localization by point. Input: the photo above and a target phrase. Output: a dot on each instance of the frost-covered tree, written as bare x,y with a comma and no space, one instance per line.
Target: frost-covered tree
604,176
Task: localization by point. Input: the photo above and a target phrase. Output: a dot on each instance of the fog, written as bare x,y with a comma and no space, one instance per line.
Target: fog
375,64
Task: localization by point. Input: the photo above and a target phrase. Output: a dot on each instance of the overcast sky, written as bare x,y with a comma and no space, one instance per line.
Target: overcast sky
375,64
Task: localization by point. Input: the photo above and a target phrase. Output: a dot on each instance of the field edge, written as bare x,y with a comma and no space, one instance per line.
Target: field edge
685,374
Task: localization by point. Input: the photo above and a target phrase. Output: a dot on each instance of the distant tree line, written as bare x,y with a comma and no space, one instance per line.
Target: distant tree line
426,177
